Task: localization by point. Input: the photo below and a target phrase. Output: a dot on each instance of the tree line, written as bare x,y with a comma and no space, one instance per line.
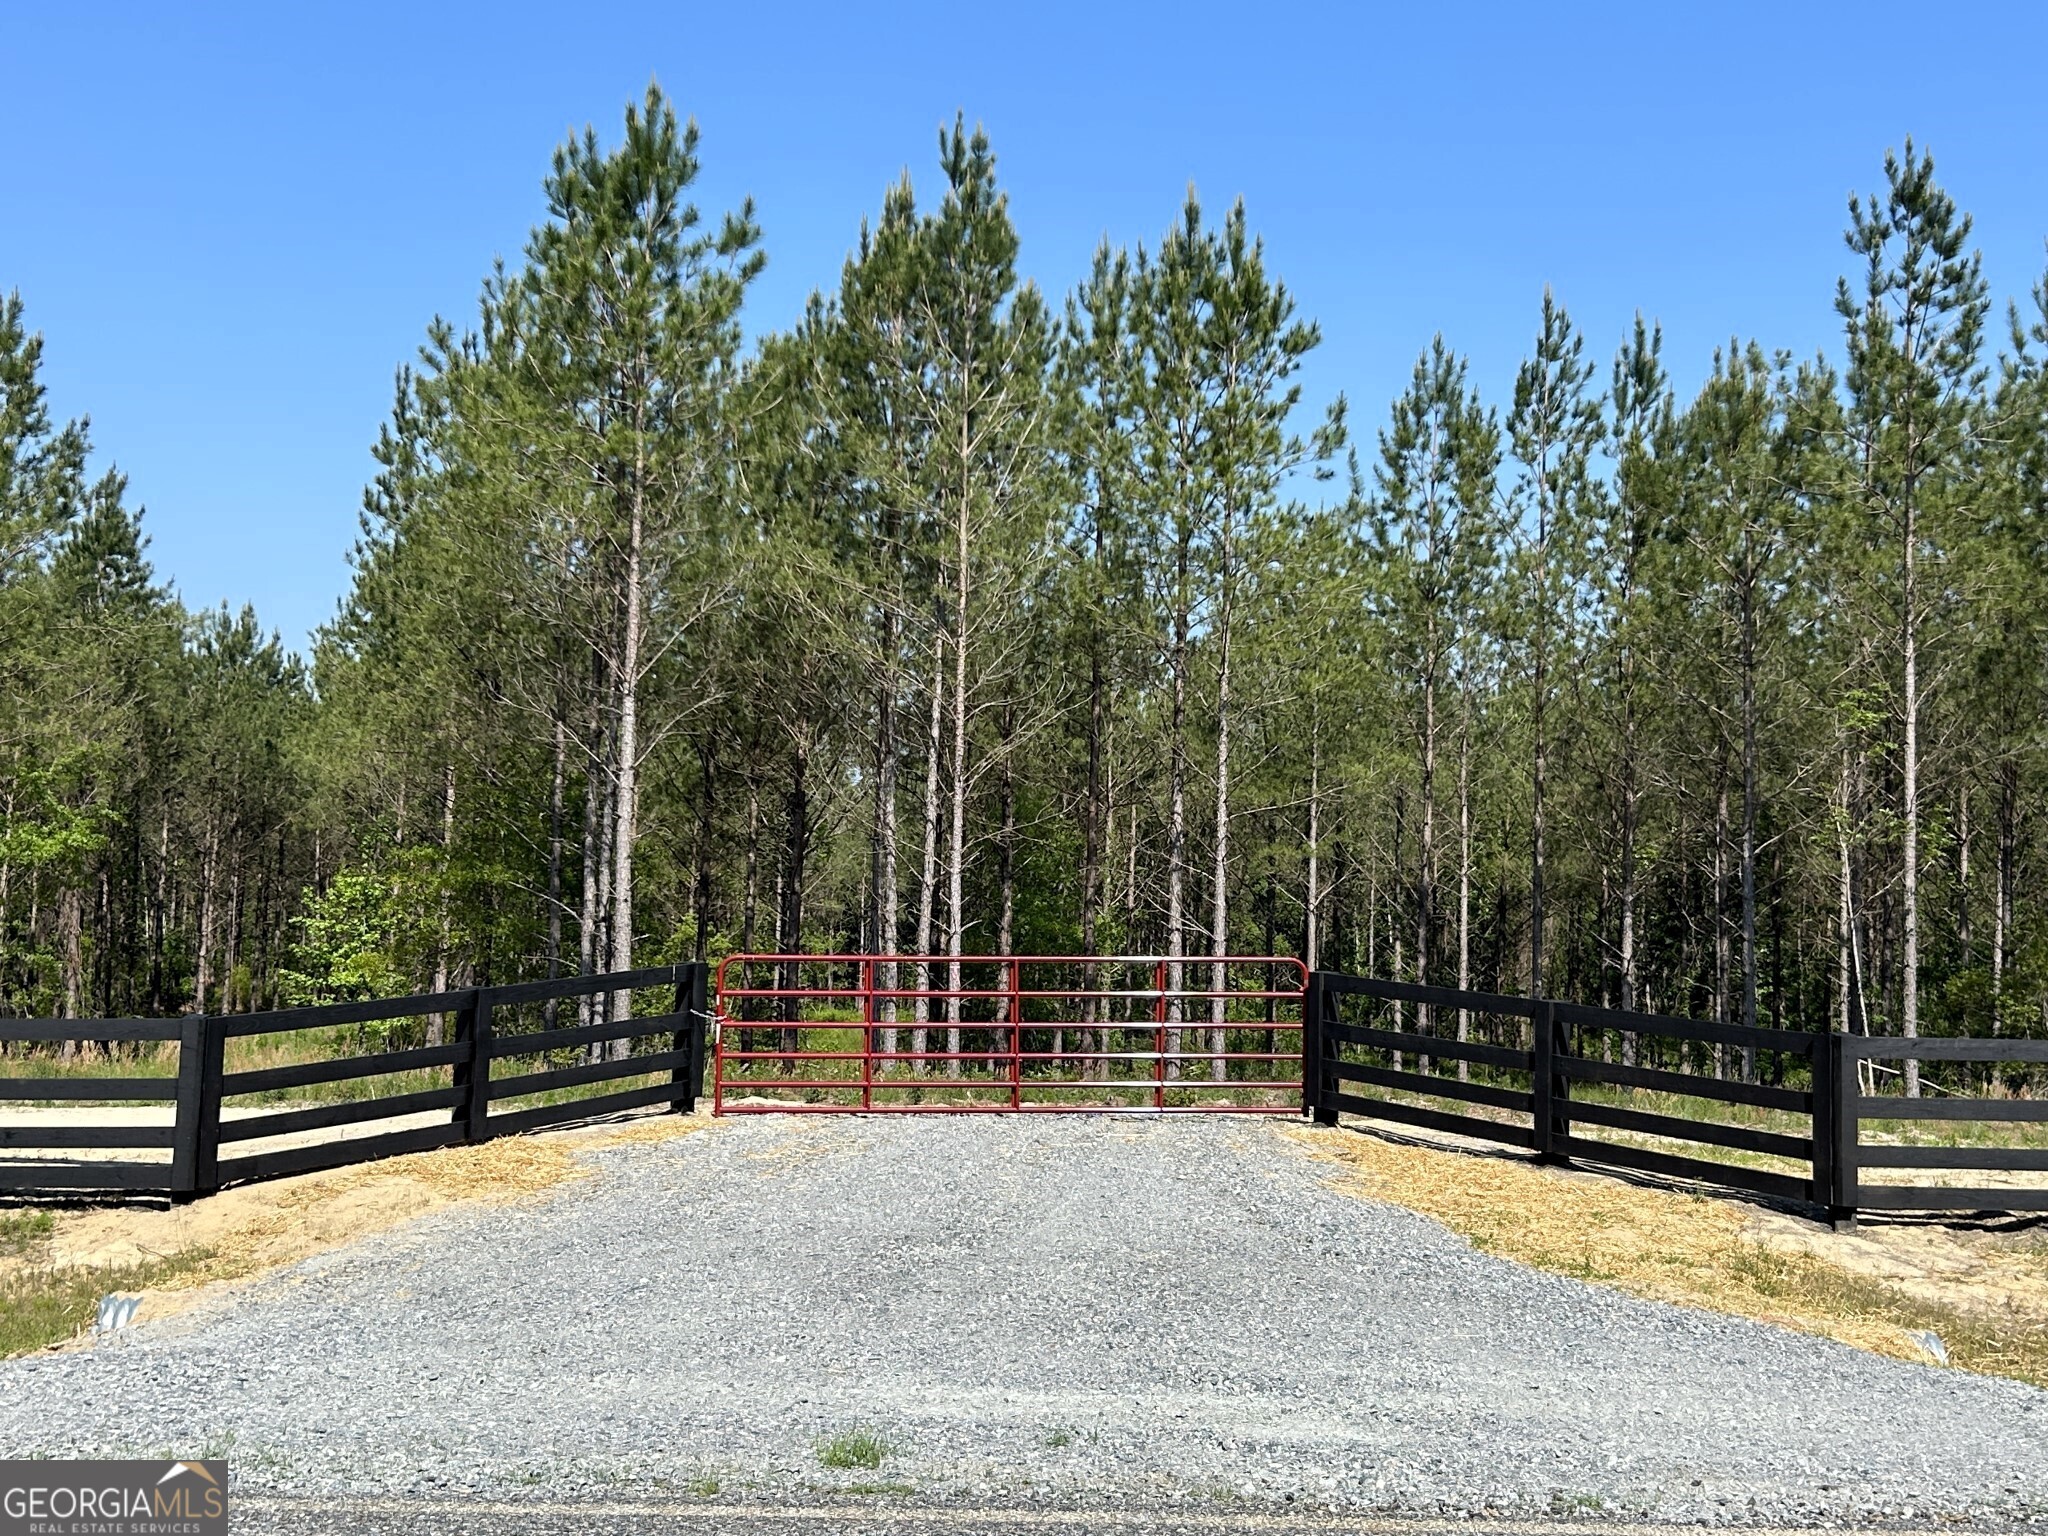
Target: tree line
957,618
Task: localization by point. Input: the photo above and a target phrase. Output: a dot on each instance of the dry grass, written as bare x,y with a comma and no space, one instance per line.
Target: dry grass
54,1266
1688,1249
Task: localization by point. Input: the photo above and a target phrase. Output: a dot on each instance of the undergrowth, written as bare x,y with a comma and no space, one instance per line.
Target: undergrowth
25,1234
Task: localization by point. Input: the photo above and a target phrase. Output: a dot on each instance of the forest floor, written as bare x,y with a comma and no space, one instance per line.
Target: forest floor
1222,1319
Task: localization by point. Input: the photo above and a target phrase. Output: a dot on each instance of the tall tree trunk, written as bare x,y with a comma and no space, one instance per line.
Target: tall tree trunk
590,872
70,928
159,908
209,912
750,894
796,858
607,846
1845,914
1396,881
1965,940
1131,871
1631,814
751,888
707,808
956,848
1312,937
2002,897
1093,814
1219,895
1909,1008
1540,754
557,789
626,811
1006,918
1464,865
7,882
436,1026
928,876
1177,810
1425,850
1747,871
1721,946
886,895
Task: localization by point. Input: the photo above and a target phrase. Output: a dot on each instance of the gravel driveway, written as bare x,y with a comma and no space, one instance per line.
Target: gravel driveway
1034,1313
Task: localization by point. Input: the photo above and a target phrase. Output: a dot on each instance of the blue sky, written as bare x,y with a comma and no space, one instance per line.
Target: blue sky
233,223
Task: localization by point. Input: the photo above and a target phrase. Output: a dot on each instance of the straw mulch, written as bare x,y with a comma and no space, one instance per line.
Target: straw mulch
1691,1249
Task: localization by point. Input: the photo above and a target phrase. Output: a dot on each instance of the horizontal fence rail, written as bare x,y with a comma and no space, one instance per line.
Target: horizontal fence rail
505,1063
1967,1087
1017,1034
151,1106
1778,1113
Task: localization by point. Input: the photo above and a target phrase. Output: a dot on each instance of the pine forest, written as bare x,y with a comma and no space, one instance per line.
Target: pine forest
957,617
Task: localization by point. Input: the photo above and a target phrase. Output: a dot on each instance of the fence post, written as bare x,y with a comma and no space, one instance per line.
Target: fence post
185,1136
473,1070
690,1004
1836,1130
1316,1000
1560,1086
1826,1063
1543,1081
195,1143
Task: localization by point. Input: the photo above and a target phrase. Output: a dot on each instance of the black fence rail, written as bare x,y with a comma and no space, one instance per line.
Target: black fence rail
1789,1115
508,1064
1968,1087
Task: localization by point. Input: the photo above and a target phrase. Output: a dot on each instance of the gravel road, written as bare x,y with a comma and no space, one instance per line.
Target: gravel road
1035,1314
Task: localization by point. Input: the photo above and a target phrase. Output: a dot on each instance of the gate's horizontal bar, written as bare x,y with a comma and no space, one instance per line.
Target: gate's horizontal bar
781,1107
1063,1085
1004,1084
882,1056
1190,961
1145,994
1142,1055
988,1027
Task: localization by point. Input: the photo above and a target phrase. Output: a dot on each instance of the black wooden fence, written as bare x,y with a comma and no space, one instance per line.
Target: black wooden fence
493,1028
1532,1073
1528,1073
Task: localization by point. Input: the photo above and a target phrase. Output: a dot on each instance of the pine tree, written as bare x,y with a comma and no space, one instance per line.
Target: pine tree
1912,335
1433,529
1554,425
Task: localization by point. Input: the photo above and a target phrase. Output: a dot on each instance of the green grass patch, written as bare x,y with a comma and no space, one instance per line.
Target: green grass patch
2014,1345
41,1304
856,1449
25,1234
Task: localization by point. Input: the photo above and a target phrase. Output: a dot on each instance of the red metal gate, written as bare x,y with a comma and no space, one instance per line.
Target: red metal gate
1031,1034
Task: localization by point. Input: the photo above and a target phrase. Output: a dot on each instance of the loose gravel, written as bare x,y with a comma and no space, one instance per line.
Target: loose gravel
1062,1312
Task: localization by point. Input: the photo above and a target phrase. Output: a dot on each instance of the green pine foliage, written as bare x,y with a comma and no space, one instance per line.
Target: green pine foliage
957,619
